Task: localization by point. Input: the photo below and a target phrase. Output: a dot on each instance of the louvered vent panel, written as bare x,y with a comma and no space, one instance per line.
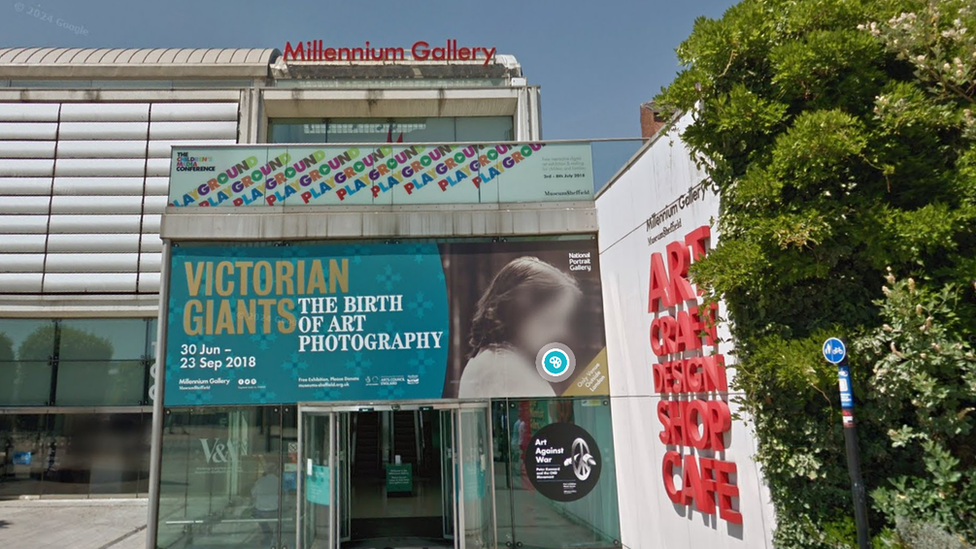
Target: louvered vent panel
83,187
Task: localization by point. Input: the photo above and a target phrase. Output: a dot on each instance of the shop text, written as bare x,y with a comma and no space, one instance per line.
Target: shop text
693,414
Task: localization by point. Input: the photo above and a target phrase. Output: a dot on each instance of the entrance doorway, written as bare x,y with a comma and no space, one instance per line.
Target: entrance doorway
404,474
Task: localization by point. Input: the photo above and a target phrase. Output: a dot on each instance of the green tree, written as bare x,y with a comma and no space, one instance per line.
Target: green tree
841,137
74,344
6,348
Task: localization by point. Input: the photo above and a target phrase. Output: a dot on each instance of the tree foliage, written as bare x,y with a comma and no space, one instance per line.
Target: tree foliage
73,344
841,136
6,348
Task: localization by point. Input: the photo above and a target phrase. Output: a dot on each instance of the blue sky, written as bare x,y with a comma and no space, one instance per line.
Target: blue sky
596,60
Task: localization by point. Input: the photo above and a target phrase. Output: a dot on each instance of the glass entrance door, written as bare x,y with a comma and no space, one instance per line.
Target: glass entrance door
316,502
449,472
476,507
343,490
337,444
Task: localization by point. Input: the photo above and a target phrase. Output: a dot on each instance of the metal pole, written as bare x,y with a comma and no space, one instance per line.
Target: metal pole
853,456
158,419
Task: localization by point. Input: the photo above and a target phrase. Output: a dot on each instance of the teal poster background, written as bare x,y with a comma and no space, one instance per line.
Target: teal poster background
317,485
280,324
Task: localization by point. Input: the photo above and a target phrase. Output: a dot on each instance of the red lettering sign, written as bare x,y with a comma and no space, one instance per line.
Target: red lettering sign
694,416
315,50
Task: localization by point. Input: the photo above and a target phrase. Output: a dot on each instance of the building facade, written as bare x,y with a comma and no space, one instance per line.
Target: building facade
334,303
356,329
85,139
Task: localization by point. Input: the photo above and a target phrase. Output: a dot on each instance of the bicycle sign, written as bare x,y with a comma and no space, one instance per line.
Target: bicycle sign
834,350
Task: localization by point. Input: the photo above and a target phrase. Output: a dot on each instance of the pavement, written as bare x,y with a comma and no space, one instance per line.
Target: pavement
73,524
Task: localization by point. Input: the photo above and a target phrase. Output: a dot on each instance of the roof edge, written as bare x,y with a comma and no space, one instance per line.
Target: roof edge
135,64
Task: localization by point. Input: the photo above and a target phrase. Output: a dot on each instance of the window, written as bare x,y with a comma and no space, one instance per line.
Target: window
76,362
101,383
26,355
525,517
81,454
216,464
486,129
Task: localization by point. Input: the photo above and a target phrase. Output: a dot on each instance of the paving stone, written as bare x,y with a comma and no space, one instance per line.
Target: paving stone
78,524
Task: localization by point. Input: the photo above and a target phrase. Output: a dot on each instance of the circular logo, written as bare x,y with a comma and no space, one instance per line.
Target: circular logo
555,362
563,462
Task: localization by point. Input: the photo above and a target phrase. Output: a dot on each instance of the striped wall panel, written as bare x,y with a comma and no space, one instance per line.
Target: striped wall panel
83,187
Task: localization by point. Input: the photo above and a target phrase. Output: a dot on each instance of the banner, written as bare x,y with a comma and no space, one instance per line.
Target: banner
384,175
301,323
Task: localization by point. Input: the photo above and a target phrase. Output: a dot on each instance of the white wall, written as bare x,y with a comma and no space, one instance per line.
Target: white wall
661,175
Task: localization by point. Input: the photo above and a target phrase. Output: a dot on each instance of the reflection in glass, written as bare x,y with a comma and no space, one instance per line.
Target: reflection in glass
530,518
317,478
610,156
101,383
27,340
392,130
227,478
475,461
21,454
74,454
25,383
102,339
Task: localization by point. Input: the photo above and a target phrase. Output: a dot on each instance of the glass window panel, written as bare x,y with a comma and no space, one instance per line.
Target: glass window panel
366,130
145,450
317,479
67,454
103,339
119,454
25,383
474,457
486,129
221,482
151,345
386,130
291,130
21,454
100,383
506,457
22,339
540,522
289,473
422,130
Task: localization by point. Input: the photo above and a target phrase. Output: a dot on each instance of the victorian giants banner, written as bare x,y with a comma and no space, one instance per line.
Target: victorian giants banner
427,320
397,174
678,448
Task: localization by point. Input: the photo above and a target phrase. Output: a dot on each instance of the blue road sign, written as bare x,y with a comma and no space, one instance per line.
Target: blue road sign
834,350
844,384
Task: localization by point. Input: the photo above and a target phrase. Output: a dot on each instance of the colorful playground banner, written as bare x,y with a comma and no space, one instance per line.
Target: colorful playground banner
383,175
361,322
